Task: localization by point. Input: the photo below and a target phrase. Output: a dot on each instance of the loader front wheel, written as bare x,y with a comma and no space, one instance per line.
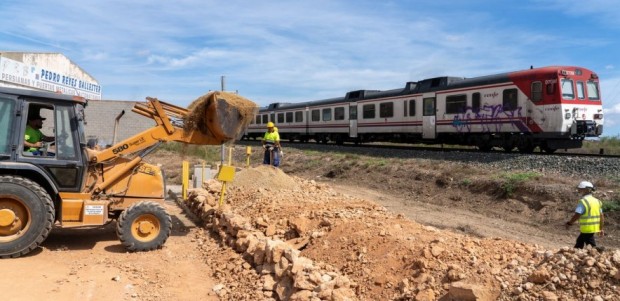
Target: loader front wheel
26,216
144,226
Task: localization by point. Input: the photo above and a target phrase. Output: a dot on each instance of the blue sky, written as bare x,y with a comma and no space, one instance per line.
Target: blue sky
292,51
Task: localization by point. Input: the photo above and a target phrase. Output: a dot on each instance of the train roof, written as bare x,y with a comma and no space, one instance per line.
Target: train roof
424,86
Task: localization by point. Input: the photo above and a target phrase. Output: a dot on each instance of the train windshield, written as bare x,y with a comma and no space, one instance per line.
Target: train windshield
568,92
593,90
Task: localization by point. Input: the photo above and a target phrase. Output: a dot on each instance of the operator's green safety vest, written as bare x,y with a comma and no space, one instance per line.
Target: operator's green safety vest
271,138
590,220
32,136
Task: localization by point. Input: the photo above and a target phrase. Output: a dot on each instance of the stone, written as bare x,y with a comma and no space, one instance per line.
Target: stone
271,230
425,295
284,288
269,284
301,295
539,276
549,296
472,292
300,224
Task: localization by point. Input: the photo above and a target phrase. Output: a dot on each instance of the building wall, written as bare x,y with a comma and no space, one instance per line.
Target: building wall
100,119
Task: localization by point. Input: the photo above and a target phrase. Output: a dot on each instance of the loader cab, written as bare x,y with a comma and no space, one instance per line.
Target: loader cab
56,120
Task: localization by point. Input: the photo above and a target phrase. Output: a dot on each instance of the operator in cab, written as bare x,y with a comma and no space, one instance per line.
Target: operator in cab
271,144
33,137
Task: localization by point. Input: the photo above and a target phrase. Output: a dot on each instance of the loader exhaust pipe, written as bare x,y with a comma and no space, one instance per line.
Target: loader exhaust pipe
116,126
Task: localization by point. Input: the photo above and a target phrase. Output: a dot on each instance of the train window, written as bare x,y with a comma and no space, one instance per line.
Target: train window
289,116
339,113
299,116
456,104
536,91
353,113
258,119
327,114
316,115
405,108
265,118
510,102
368,111
280,117
412,107
567,89
593,91
272,117
428,106
581,93
386,110
475,102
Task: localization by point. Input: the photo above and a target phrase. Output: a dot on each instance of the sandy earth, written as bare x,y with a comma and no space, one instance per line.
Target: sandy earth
91,264
79,264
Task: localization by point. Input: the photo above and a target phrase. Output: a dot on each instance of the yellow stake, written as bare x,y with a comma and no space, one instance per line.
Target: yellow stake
185,180
248,153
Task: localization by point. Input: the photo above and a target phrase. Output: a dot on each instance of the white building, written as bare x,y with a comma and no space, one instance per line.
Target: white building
46,72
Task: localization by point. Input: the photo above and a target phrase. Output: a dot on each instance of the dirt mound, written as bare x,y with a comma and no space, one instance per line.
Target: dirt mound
265,177
382,256
220,115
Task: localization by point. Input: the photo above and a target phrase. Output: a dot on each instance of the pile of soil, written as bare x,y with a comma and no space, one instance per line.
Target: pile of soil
221,116
384,255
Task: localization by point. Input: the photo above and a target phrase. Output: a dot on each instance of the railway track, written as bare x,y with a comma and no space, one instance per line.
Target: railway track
586,166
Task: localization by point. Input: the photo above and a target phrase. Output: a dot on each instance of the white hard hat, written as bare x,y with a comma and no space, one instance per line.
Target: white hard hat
585,184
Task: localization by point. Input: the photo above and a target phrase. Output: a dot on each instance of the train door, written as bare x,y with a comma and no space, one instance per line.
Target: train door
428,117
353,120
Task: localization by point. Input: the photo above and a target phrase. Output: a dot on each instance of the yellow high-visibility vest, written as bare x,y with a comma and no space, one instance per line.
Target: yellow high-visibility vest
590,220
271,138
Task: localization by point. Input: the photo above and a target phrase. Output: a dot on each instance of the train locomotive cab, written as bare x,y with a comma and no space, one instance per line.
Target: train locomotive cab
563,105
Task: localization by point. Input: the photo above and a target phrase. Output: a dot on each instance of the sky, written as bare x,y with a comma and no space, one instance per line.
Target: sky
294,51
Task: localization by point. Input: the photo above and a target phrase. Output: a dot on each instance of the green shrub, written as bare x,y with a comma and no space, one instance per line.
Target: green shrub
611,205
512,180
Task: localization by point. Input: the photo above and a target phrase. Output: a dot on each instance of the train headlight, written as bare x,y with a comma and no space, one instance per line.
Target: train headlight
598,116
567,115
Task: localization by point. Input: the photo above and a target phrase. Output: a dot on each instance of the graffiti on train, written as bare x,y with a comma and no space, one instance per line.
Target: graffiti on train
489,118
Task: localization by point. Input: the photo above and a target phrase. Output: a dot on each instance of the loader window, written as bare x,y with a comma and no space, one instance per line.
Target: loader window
7,107
65,140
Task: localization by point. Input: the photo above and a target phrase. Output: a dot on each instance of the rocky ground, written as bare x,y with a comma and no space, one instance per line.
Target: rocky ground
297,239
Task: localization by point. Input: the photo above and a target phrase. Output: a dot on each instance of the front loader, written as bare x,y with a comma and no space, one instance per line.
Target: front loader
69,185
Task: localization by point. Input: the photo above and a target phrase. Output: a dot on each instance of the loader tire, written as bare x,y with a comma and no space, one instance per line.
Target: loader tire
26,216
144,226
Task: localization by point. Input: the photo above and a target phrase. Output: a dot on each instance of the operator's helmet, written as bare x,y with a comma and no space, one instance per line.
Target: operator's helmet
585,184
270,124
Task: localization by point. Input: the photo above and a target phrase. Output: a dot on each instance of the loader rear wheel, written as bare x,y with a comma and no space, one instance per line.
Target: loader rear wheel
26,216
144,226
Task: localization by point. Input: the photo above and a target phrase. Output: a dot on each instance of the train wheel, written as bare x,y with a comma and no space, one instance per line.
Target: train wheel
549,150
144,226
26,216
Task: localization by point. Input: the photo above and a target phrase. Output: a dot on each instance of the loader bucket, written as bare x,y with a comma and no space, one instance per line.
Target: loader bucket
220,116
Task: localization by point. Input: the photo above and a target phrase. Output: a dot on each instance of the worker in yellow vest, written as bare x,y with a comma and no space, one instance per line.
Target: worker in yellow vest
271,144
589,212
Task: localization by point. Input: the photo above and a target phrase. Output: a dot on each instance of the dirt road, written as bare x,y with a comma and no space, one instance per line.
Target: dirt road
91,264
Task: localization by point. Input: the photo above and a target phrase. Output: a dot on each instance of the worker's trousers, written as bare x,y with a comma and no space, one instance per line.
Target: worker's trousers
276,156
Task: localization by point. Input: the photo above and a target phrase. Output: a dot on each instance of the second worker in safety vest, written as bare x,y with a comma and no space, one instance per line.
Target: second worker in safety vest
271,144
589,212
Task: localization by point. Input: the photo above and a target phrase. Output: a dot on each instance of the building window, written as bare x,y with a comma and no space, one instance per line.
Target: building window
510,102
339,113
567,89
368,111
280,117
386,109
475,102
456,104
289,116
299,116
536,91
593,91
412,107
327,114
316,115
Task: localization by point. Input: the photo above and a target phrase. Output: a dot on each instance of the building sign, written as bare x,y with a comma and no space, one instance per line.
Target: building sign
18,73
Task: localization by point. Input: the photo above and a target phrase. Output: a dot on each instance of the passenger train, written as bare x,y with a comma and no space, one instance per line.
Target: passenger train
550,108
